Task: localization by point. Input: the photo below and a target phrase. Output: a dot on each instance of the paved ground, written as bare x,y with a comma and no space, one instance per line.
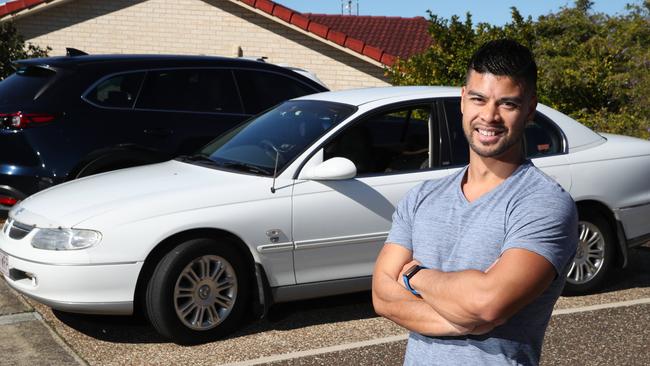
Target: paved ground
608,328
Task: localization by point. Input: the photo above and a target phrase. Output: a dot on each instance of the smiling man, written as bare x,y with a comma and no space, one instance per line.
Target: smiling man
475,262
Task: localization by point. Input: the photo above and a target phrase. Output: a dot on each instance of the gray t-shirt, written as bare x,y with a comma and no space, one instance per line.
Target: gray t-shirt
445,231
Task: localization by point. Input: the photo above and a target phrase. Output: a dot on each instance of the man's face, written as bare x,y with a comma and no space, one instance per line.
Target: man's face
495,112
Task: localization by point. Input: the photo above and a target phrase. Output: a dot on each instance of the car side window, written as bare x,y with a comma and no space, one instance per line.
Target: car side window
118,91
458,151
261,90
394,141
542,138
195,90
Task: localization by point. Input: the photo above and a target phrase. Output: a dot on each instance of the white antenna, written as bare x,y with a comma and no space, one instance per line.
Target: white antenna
348,5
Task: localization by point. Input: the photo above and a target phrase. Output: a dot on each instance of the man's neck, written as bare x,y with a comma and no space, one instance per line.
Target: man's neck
485,174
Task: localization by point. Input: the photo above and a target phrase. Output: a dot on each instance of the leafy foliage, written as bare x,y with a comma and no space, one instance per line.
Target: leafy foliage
592,66
12,47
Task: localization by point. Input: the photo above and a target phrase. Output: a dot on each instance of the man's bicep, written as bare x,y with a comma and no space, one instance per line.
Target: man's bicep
520,276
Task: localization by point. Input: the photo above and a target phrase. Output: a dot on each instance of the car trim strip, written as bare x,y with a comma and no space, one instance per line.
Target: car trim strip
67,264
336,241
275,247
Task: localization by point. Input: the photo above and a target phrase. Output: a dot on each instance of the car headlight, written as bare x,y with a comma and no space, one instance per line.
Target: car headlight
65,239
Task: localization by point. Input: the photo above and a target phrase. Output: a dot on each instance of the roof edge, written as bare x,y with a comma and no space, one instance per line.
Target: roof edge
319,31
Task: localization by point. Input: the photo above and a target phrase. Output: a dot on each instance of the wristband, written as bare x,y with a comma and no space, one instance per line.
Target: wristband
406,277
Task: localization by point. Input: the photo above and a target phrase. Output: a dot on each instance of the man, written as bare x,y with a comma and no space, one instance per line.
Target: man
474,262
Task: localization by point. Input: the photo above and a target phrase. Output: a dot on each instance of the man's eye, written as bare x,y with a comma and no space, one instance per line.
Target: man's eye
509,105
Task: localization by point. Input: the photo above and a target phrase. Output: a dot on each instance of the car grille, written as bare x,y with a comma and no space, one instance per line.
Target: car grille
17,230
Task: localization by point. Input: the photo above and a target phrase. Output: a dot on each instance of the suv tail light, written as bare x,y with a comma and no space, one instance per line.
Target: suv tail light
7,201
21,120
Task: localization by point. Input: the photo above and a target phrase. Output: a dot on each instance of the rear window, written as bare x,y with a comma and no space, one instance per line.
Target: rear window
26,84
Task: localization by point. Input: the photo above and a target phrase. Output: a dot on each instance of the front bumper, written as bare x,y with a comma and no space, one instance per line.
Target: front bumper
77,288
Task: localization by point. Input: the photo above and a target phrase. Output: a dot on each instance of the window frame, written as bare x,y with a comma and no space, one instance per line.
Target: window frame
84,95
369,114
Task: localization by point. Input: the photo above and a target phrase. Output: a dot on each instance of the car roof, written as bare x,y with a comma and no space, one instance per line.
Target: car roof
358,97
132,58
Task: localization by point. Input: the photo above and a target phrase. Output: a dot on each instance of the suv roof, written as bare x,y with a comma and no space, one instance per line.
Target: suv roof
118,61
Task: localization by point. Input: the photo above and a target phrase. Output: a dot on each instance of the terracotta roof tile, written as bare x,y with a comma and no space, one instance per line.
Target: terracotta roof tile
401,37
380,38
11,7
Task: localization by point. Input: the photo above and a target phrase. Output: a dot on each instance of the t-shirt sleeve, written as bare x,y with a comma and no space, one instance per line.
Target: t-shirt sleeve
401,229
545,223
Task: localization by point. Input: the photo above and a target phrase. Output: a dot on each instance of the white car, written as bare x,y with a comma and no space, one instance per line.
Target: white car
293,204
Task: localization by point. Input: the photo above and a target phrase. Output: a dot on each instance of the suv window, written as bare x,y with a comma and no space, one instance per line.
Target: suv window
25,84
196,90
262,90
393,141
118,91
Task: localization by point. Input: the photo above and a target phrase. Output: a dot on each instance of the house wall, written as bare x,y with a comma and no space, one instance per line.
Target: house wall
205,27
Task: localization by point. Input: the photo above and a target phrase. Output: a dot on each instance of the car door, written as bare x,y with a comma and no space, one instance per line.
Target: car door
339,226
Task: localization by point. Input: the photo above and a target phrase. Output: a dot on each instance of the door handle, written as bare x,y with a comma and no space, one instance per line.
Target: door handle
161,132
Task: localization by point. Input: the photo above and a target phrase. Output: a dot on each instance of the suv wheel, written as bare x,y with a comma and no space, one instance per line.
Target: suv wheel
198,292
594,255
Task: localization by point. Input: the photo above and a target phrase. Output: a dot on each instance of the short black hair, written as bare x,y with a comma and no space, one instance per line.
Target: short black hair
506,57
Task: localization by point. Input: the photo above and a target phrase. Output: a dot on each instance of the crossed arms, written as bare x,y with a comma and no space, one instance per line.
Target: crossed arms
457,303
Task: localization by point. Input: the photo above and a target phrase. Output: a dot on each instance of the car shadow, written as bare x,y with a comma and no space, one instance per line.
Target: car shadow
285,316
301,314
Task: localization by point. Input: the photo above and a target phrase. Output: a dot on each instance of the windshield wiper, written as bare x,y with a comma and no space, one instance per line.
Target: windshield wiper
245,167
197,158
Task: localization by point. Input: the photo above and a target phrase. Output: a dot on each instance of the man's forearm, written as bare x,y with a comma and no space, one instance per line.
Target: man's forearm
397,304
456,296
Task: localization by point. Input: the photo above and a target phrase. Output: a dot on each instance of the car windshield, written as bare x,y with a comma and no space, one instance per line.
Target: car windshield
276,136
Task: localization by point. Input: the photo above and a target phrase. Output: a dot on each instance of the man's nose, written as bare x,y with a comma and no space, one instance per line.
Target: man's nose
490,113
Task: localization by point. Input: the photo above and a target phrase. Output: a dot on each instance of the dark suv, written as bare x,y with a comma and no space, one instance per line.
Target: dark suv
67,117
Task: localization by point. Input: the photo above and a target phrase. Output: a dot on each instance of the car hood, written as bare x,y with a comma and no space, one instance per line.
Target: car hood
138,193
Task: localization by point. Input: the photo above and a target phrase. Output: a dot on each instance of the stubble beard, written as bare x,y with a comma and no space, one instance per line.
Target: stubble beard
510,139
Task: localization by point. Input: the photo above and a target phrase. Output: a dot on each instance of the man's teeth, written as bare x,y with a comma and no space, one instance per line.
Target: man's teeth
486,132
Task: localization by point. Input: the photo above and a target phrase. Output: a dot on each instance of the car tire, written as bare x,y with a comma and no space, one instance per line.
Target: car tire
199,292
594,255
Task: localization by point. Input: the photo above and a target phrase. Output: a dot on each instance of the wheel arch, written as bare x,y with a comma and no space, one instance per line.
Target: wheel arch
616,227
165,246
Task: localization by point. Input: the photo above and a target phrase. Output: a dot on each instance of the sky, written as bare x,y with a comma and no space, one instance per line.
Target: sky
495,12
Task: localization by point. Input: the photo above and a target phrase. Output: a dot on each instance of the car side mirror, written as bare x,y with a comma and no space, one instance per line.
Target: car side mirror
332,169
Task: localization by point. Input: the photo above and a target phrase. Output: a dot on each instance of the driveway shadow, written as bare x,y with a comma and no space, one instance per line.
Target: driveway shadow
286,316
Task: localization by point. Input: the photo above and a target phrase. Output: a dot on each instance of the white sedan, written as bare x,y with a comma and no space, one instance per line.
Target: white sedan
293,204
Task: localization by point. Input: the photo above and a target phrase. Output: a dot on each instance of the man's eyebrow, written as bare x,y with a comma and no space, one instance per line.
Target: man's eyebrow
515,100
476,94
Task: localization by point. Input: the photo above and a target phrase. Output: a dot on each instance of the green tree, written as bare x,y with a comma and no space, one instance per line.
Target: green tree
12,47
592,66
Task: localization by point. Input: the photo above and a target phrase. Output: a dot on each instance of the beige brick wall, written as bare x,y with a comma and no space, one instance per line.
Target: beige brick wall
206,27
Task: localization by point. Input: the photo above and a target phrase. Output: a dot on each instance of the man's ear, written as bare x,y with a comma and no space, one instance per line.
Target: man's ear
532,108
